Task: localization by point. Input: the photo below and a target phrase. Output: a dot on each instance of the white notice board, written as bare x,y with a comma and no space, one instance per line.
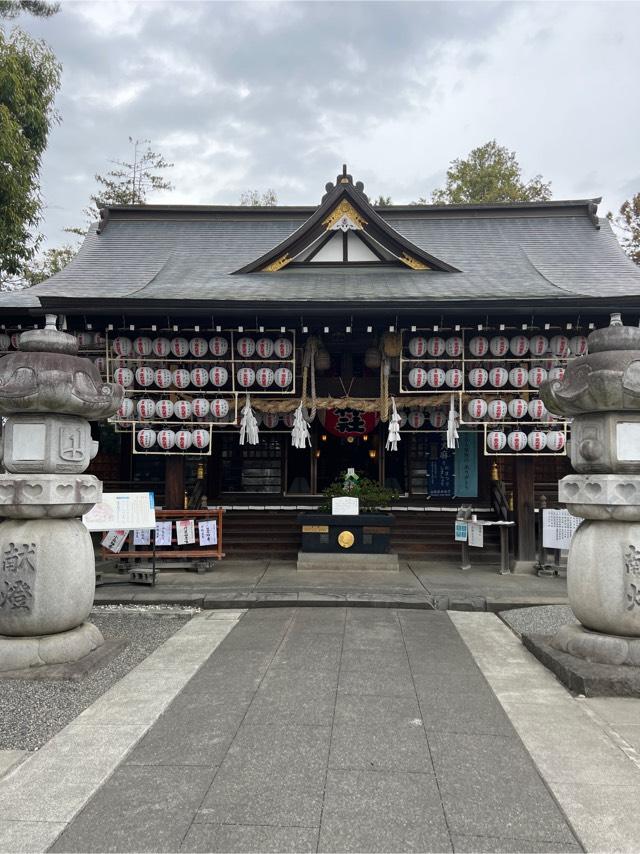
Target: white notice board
122,510
558,526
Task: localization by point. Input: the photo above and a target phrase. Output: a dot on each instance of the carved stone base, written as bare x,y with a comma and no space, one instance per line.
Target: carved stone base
55,496
602,496
20,653
596,647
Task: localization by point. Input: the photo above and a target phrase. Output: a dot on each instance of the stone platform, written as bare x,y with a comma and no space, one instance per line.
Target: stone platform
347,562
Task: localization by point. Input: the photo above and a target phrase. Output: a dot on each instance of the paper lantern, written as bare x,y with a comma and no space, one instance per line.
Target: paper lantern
418,347
200,407
264,348
323,360
15,340
218,376
182,410
161,347
164,409
478,377
5,341
519,345
518,377
142,346
479,346
183,439
181,378
415,419
283,377
517,440
288,419
218,346
417,377
454,346
498,377
537,440
578,345
270,419
436,377
199,377
99,339
496,440
145,408
538,345
453,378
264,377
282,348
537,376
499,345
122,346
146,438
403,417
179,347
219,408
246,377
436,346
144,376
246,347
477,408
438,418
166,439
85,339
101,364
372,358
126,408
555,441
556,373
198,347
200,438
559,345
162,377
497,410
518,408
537,409
124,377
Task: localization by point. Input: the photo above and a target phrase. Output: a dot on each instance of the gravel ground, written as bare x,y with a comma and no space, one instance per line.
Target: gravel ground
542,620
32,712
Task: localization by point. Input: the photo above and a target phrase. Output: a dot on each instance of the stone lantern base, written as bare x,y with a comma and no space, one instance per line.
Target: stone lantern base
20,653
597,647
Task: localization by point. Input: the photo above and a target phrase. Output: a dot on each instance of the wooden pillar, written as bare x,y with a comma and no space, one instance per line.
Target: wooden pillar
524,503
174,482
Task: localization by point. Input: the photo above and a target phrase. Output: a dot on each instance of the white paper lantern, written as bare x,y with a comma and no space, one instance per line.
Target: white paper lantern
556,373
454,346
200,438
538,345
15,340
162,377
499,345
453,378
264,348
101,364
246,347
478,377
183,439
161,347
578,345
282,348
5,341
181,378
518,377
198,347
436,346
166,439
537,440
124,377
518,408
219,408
497,410
283,377
99,339
182,409
415,419
477,408
479,346
144,376
403,417
199,377
438,418
179,347
85,339
517,440
164,409
418,346
417,377
519,345
122,346
264,377
246,377
218,376
145,408
537,376
372,358
146,438
436,377
498,377
142,346
125,409
537,409
218,346
270,420
200,407
559,345
496,440
555,441
288,418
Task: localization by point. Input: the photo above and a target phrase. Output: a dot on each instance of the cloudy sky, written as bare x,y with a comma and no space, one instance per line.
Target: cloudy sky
278,94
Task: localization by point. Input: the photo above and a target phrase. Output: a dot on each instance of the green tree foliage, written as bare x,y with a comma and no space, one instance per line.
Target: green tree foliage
256,199
490,173
627,224
49,263
39,8
29,80
382,202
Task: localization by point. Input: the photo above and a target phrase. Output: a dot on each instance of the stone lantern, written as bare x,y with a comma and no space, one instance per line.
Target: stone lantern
48,395
601,393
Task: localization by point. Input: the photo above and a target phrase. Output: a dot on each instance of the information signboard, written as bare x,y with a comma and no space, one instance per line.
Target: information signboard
122,510
558,527
476,534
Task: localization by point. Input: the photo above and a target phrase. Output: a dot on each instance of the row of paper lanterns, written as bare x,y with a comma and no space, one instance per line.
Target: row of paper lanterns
167,439
497,377
499,346
146,408
198,348
518,440
218,376
517,408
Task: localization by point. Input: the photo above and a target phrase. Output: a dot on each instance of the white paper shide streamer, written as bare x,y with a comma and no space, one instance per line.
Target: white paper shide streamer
248,424
300,433
394,428
452,426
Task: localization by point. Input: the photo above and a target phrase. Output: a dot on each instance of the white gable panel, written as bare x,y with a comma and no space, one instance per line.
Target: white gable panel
359,251
331,251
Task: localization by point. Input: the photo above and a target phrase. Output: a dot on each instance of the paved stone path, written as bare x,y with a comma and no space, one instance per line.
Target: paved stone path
329,729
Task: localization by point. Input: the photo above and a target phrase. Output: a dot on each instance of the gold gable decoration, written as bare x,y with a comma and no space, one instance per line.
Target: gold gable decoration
413,262
278,264
344,217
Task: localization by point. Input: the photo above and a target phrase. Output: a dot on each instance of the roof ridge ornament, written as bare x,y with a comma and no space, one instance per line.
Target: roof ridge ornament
343,178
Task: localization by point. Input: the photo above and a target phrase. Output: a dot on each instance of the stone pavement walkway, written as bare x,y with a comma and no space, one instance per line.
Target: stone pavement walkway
330,729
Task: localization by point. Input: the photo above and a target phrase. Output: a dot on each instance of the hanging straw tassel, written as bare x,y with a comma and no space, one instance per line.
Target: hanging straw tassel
248,424
394,428
452,426
300,433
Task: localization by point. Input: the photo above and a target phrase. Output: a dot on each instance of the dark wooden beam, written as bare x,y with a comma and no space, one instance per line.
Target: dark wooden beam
174,482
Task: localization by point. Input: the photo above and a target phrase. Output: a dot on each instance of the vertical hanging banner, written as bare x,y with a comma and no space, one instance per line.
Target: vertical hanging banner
440,466
466,466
